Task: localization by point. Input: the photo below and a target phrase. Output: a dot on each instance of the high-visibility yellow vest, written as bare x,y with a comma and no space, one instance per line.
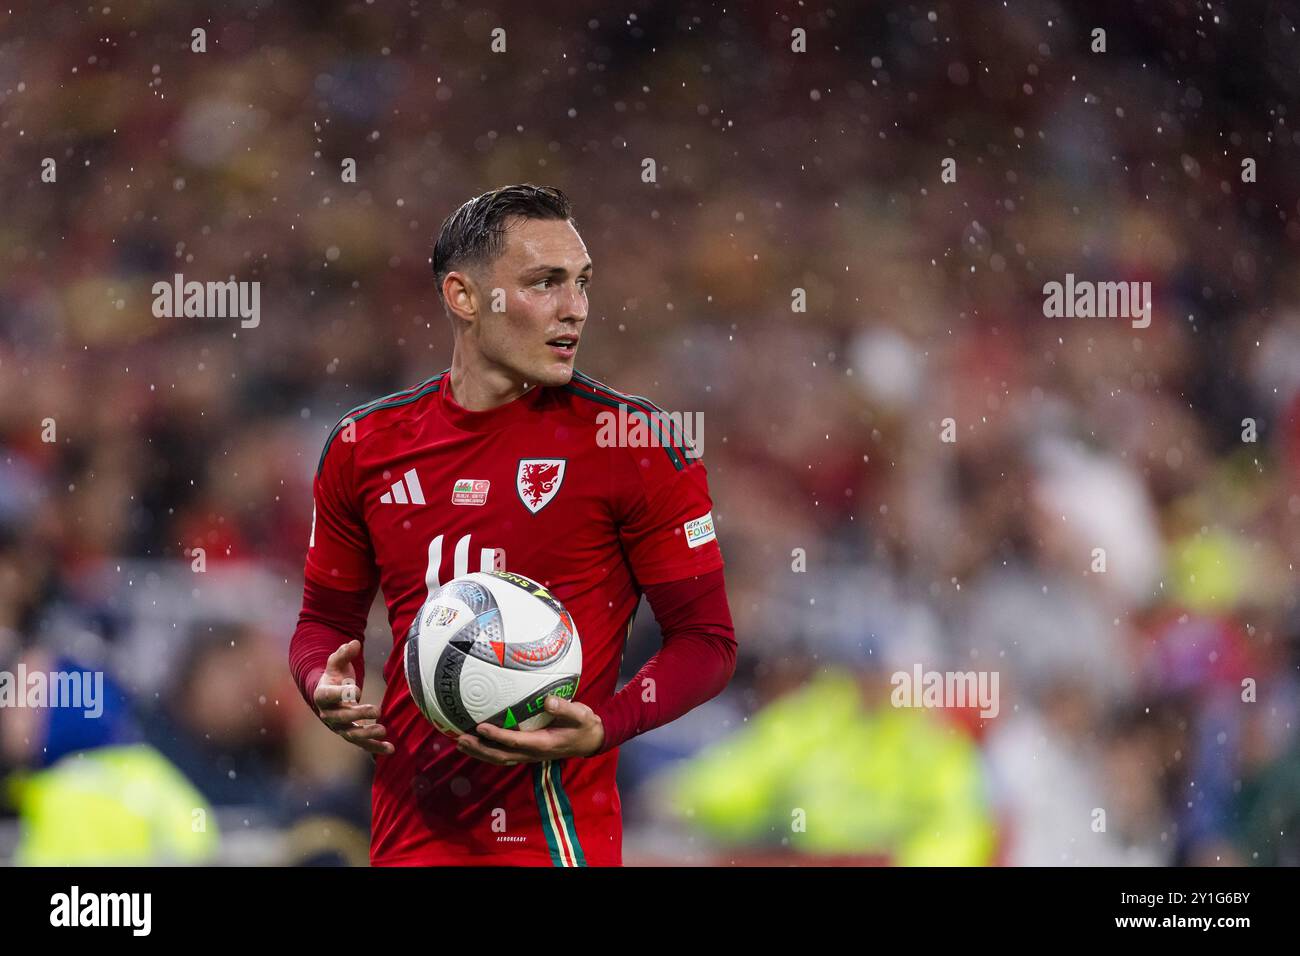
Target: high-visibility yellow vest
822,770
112,806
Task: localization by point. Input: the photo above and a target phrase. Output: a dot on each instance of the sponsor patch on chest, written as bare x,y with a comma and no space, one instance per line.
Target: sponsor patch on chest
470,491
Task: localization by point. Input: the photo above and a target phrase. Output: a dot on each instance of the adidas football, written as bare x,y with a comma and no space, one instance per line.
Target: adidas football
488,647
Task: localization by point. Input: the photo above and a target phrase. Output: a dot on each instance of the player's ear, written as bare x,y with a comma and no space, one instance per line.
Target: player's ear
461,296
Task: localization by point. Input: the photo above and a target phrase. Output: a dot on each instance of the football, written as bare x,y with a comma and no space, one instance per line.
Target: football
488,647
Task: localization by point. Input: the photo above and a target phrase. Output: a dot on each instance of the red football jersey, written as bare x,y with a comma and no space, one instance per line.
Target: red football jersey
413,490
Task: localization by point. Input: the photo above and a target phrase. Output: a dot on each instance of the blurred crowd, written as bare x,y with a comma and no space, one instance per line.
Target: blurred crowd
910,464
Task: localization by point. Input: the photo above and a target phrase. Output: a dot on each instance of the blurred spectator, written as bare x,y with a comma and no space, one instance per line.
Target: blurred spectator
823,771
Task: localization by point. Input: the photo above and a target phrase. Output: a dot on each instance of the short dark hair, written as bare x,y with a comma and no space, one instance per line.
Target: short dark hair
474,235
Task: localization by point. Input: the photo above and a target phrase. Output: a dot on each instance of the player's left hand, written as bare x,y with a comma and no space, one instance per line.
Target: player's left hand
574,731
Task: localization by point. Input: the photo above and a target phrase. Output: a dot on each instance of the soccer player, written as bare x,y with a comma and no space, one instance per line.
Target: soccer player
497,462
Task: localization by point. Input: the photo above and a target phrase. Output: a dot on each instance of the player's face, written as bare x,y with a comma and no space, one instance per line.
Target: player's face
544,271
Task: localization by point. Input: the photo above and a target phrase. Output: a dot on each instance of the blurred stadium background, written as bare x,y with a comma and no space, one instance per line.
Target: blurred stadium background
1120,691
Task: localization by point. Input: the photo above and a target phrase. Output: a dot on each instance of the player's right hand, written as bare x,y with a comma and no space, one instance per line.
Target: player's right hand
337,700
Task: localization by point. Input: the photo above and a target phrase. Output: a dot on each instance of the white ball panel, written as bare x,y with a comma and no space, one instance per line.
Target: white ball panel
525,618
487,690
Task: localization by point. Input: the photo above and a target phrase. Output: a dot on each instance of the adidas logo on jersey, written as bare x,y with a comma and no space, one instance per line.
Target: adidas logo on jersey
405,491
